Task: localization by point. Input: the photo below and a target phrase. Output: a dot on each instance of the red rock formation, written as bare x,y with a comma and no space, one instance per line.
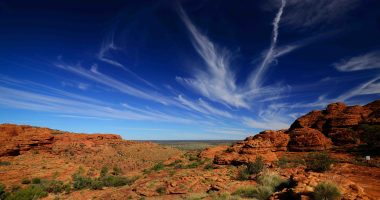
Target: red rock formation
308,139
18,139
263,144
340,122
318,130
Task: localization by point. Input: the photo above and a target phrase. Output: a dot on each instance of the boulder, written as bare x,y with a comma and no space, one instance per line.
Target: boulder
308,139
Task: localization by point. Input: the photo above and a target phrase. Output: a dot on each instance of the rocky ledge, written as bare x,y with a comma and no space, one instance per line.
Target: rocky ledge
337,125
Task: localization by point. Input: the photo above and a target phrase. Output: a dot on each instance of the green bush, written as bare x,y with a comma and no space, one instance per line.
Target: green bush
81,182
267,185
318,162
246,192
161,190
326,191
271,180
54,186
25,181
3,193
192,165
104,171
4,163
158,167
256,167
36,180
262,192
243,175
252,168
371,134
116,181
208,166
32,192
283,162
97,185
116,171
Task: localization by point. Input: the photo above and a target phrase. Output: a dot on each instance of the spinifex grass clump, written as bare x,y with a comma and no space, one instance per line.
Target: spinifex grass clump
326,191
267,185
104,180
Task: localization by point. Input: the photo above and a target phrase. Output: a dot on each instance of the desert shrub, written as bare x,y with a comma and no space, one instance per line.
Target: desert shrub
158,167
230,150
270,180
81,182
36,180
15,188
104,171
67,188
192,165
54,186
32,192
256,167
283,162
97,185
252,168
326,191
116,170
4,163
371,134
243,175
3,193
262,192
318,162
267,185
26,181
246,192
208,166
161,190
116,181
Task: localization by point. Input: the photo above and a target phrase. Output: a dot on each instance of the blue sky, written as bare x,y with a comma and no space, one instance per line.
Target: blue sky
184,69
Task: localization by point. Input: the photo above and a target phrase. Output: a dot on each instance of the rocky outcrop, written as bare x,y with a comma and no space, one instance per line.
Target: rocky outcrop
318,130
308,139
340,122
18,139
263,144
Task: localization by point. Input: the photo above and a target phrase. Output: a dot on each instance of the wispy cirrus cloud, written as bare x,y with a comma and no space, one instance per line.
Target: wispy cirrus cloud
17,98
203,107
105,55
310,13
256,77
94,75
370,60
218,81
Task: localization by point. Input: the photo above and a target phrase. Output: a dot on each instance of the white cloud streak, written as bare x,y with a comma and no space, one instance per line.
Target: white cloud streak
311,13
217,82
203,107
105,52
48,103
366,61
94,75
255,80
